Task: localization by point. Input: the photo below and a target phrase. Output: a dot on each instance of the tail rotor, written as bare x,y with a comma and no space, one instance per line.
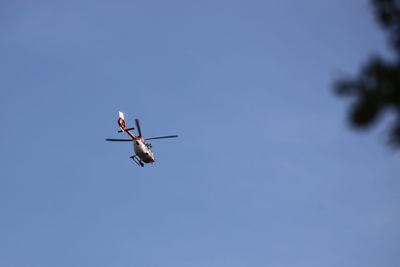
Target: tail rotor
121,121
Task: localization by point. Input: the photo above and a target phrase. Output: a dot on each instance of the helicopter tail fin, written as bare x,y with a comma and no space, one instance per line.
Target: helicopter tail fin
121,121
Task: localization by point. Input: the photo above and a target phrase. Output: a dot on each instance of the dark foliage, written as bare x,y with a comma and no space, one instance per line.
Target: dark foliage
377,87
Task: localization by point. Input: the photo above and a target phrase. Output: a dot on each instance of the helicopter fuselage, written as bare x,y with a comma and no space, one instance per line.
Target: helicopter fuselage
143,150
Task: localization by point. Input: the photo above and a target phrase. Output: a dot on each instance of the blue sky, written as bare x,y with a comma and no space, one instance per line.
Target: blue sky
266,171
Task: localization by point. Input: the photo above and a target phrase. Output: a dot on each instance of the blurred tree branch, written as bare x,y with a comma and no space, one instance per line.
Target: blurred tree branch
377,87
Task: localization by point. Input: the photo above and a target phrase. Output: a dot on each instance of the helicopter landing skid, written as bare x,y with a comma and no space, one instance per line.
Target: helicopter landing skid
137,161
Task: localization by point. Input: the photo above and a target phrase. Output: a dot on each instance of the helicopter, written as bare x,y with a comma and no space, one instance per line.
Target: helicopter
141,146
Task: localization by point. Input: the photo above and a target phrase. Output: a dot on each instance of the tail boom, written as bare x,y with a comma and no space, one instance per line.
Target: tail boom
122,125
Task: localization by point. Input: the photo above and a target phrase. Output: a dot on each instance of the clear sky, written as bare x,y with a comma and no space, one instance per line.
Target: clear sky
266,171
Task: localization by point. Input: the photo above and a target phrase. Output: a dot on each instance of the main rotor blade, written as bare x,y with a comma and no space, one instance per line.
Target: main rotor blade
138,127
119,140
162,137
